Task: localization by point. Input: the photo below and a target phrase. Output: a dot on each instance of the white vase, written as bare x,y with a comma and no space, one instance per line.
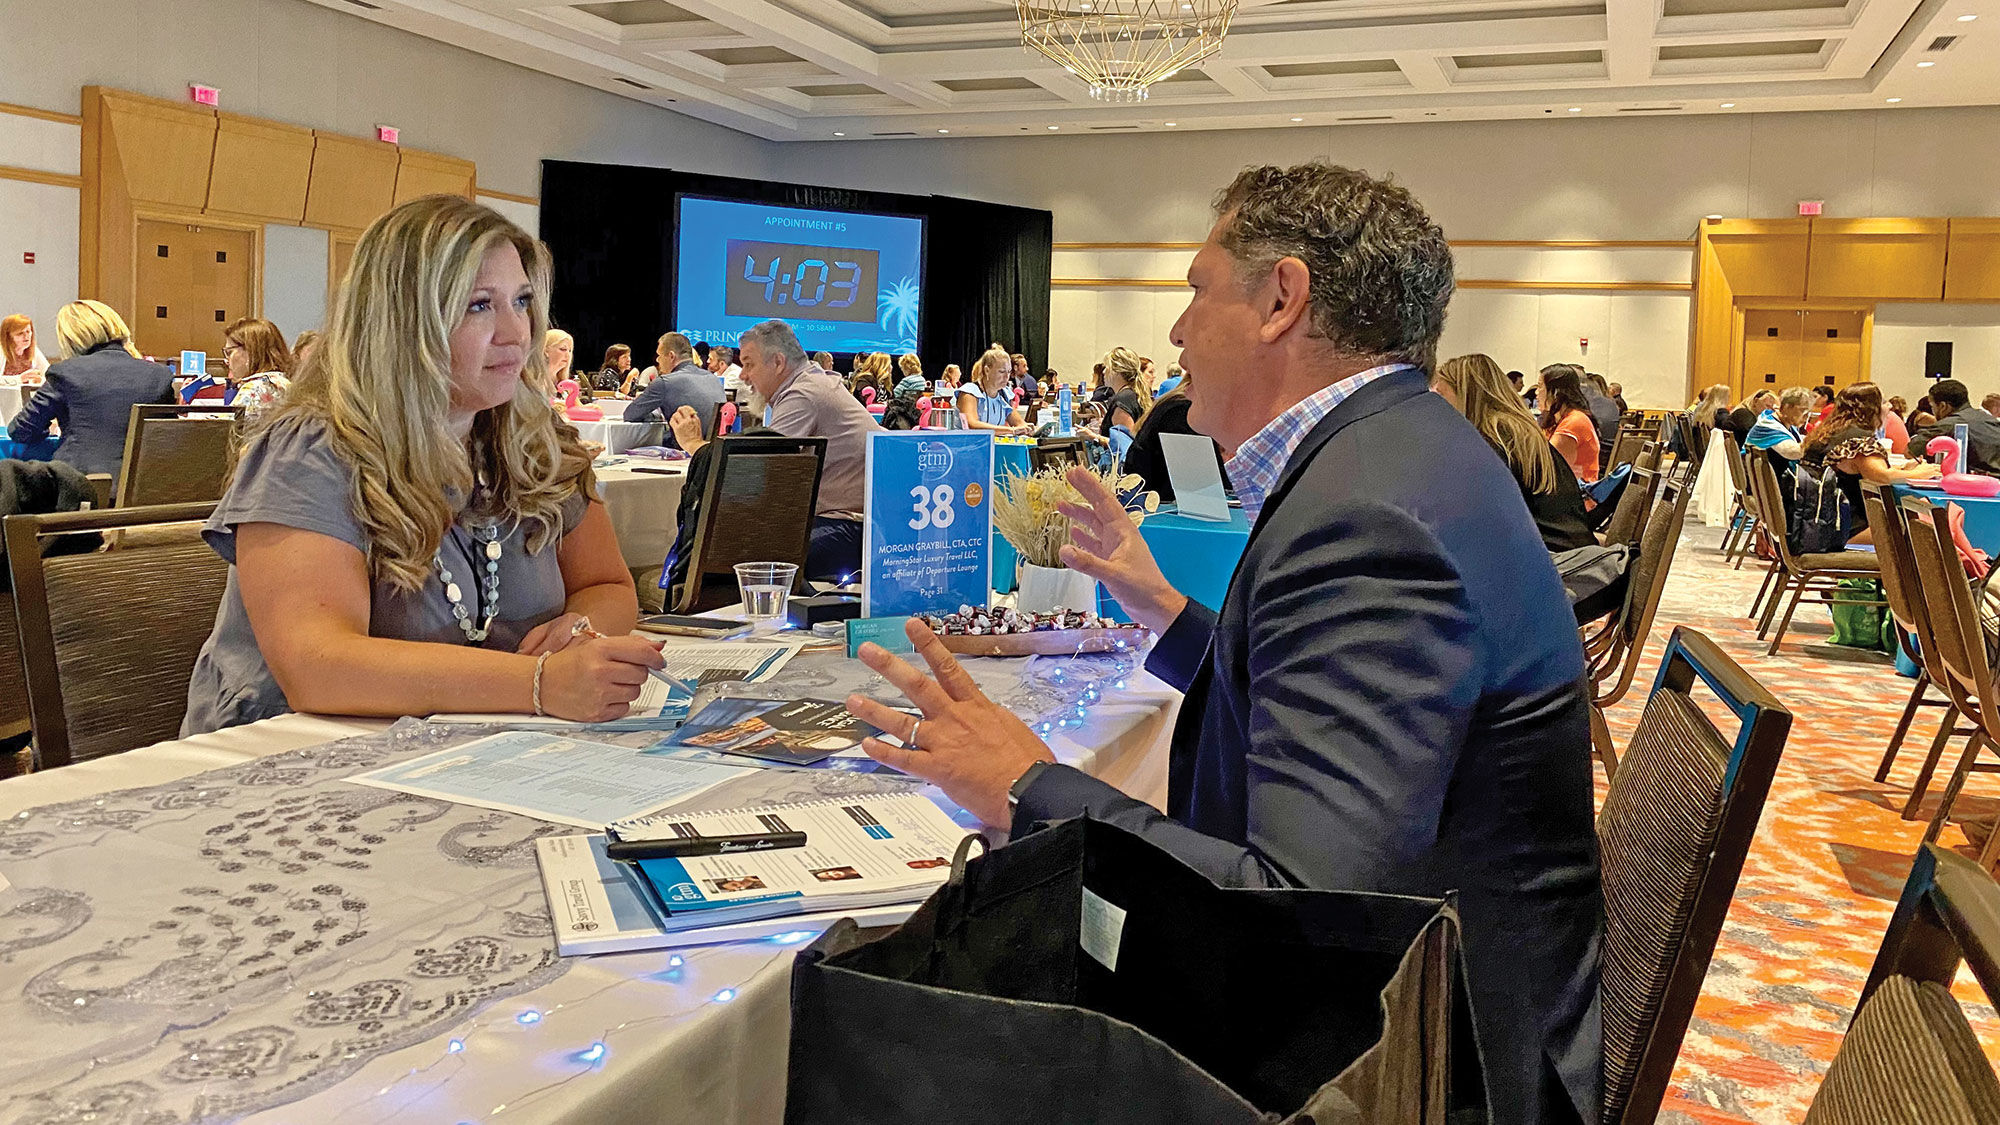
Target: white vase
1045,589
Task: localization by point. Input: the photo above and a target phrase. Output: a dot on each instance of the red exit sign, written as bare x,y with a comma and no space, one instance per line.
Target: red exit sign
387,134
1810,206
205,95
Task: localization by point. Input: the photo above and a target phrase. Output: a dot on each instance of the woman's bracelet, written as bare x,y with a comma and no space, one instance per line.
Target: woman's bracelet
539,661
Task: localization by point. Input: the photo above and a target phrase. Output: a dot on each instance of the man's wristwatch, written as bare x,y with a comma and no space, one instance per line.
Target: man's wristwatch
1022,783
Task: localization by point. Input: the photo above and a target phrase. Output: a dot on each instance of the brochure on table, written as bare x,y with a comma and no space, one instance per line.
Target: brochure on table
1197,479
596,907
550,777
691,663
865,851
928,533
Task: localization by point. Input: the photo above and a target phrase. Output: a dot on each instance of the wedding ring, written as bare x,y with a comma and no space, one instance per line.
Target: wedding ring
911,741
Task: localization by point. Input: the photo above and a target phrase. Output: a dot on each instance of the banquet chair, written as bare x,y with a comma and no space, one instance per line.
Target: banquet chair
1913,628
1628,516
1963,658
1612,655
172,457
1910,1056
1675,827
1625,447
1053,451
756,506
1742,518
109,638
1796,574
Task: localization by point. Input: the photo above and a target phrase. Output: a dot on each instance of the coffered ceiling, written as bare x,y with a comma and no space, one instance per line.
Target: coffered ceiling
860,69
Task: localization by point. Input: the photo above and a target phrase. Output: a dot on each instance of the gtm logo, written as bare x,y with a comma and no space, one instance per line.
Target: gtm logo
933,459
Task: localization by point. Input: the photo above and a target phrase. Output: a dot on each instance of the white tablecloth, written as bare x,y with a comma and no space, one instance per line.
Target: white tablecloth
1714,489
643,508
698,1037
12,395
617,436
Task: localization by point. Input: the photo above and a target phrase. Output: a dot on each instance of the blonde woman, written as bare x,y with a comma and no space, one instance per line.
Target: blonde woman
982,398
91,390
558,354
1481,391
412,531
258,364
908,365
1131,393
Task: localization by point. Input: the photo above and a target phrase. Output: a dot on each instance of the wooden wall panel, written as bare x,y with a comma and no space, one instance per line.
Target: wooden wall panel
427,173
1877,259
1762,257
164,150
353,181
261,168
1972,263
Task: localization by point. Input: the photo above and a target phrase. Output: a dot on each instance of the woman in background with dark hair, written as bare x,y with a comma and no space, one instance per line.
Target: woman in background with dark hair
1567,423
1846,441
610,377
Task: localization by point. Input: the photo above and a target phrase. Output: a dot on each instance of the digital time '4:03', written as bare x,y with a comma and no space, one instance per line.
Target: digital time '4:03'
777,279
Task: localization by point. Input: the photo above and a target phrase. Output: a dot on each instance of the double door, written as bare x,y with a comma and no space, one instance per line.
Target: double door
193,280
1801,348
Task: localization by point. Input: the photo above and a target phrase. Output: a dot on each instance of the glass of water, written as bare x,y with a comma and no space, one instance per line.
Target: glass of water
766,587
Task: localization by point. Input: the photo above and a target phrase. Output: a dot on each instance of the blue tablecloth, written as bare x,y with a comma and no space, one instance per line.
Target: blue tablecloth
1009,459
1982,515
43,450
1197,556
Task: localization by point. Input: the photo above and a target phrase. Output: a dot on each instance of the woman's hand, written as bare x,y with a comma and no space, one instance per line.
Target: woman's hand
687,428
553,635
595,679
1923,470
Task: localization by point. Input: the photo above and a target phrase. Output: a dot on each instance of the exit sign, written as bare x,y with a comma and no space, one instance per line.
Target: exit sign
1810,206
387,134
205,95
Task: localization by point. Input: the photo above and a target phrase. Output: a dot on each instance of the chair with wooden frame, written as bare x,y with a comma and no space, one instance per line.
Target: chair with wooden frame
1049,452
1628,515
1744,513
177,454
1612,655
1910,1057
1693,439
756,506
1675,827
1631,437
1966,669
109,638
1906,609
1800,575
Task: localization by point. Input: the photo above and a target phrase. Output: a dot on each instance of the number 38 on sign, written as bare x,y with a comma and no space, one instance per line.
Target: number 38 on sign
928,529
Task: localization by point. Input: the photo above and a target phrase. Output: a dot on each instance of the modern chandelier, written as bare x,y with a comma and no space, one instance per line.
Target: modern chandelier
1122,47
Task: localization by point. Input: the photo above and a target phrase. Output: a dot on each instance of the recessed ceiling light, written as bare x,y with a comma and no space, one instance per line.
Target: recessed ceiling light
944,130
1296,120
840,134
1893,101
1171,124
1967,19
1729,105
1926,63
1053,128
1576,109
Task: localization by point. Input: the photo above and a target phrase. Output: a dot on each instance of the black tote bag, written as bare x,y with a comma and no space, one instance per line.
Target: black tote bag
1082,974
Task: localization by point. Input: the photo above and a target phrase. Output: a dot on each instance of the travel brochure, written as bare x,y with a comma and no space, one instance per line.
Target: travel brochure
793,732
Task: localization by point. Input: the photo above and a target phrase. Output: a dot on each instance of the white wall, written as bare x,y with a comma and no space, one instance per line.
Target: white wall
1587,179
295,265
307,65
1896,360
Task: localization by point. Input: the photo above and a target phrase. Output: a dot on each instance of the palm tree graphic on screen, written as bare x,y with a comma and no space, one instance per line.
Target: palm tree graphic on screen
899,312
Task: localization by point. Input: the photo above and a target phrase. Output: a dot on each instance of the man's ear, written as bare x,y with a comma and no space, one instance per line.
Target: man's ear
1287,300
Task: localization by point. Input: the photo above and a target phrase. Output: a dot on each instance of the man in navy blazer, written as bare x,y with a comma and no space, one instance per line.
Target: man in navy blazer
1391,696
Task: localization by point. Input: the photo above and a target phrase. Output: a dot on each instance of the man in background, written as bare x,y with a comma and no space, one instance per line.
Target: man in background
823,361
1990,404
806,403
1982,429
1618,396
680,383
722,363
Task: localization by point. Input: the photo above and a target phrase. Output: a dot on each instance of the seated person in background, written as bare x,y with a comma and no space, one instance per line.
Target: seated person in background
1617,393
1391,696
904,410
680,383
823,361
722,363
1990,404
1167,385
688,429
1925,412
558,352
22,358
1740,421
1822,405
1130,397
1899,406
951,377
1846,443
1603,411
1777,428
405,540
1477,387
1148,455
1982,430
303,343
983,399
91,390
258,365
805,404
1566,420
610,377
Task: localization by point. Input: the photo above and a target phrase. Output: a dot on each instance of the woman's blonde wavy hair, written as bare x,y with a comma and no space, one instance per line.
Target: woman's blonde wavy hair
83,325
1486,397
1127,365
380,381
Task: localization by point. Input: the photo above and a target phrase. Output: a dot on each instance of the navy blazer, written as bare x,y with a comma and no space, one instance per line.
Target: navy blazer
91,395
1392,699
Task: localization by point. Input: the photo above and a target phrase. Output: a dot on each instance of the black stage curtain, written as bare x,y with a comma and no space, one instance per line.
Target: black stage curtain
610,230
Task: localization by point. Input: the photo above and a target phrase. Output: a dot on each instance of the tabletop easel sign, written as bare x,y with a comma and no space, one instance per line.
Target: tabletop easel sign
928,533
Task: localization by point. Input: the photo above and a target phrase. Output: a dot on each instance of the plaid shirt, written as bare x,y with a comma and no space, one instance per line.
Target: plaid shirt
1260,461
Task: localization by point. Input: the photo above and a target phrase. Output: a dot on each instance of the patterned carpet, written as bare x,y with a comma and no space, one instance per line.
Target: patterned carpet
1830,856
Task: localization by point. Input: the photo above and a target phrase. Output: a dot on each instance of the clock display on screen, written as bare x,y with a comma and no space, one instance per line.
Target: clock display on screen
784,280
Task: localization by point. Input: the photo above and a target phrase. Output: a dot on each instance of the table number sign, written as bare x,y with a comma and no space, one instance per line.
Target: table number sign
194,365
928,533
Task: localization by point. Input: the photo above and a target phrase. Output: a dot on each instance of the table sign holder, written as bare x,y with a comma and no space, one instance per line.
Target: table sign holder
927,536
1197,480
194,365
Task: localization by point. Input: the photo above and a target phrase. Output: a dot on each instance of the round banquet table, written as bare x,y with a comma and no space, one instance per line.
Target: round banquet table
223,927
644,508
617,436
12,396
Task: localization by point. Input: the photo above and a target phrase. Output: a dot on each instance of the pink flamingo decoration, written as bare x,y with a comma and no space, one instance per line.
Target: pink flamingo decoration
569,390
1955,482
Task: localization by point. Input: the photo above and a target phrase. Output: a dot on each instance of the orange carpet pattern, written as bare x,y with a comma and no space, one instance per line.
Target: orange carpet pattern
1830,857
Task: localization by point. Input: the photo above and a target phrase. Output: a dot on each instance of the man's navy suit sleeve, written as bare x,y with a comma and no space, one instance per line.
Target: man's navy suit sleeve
1355,684
1177,654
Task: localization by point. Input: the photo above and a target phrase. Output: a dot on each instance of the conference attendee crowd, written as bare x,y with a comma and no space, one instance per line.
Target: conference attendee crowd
1392,696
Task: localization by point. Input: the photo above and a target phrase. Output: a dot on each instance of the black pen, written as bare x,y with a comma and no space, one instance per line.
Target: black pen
690,846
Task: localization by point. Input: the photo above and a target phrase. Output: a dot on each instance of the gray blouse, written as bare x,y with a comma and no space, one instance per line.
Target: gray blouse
290,475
